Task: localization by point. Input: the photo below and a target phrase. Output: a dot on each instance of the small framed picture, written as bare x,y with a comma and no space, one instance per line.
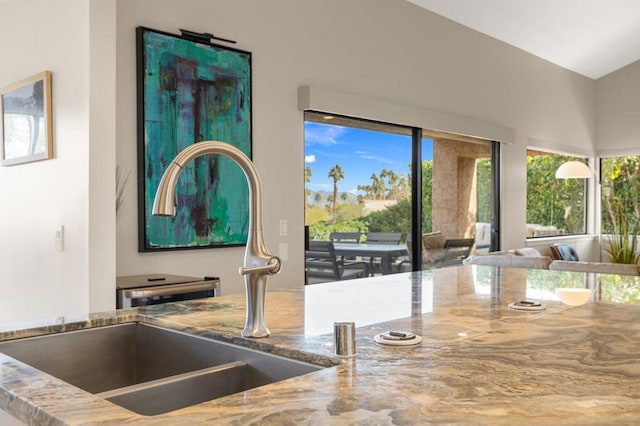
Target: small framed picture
25,125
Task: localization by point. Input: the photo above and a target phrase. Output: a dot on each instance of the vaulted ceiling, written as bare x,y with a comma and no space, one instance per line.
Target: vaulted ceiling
590,37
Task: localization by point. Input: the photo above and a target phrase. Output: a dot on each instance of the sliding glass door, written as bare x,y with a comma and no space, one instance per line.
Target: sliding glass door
357,177
364,177
457,186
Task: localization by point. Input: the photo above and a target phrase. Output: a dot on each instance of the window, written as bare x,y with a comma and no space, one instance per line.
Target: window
457,200
363,176
554,206
357,176
620,180
620,208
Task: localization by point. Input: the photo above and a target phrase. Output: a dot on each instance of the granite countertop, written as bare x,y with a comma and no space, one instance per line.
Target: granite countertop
478,363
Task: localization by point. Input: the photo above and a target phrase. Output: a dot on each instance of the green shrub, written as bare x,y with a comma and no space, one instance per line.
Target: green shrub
321,231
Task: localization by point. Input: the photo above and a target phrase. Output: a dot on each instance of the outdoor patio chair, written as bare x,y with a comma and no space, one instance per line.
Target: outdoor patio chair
403,263
375,263
438,252
345,237
384,237
455,251
322,264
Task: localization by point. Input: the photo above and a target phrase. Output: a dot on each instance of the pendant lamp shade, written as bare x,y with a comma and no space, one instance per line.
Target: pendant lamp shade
573,170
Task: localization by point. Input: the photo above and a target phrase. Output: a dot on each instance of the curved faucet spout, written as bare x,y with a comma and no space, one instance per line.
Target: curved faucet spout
258,263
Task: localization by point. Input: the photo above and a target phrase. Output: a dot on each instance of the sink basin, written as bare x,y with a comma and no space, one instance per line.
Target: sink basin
152,370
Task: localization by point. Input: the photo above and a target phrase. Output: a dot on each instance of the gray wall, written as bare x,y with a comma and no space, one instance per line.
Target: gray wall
618,112
386,50
35,198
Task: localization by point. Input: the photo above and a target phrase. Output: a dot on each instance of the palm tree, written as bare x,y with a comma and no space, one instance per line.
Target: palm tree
329,204
337,174
379,188
394,182
307,178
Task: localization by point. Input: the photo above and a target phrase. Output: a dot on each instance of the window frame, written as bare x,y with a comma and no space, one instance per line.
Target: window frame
601,179
416,134
587,201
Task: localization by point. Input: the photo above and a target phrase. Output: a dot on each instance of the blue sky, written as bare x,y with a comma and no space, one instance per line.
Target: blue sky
359,152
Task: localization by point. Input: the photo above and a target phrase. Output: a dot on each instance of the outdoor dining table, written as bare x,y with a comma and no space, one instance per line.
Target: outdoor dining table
386,252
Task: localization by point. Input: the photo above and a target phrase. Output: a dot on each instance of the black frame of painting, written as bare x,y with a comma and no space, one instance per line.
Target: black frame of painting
189,91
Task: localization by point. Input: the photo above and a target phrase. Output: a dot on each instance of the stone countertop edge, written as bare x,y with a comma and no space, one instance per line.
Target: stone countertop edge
479,363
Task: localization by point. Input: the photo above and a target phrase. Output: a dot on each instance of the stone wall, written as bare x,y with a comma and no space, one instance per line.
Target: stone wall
455,186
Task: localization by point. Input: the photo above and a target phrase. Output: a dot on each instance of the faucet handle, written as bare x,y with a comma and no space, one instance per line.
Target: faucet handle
272,267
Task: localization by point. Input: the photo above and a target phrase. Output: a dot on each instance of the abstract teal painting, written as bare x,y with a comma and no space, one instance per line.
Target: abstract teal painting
189,92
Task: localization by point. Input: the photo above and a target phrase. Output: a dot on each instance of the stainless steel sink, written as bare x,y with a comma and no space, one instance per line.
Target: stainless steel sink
149,369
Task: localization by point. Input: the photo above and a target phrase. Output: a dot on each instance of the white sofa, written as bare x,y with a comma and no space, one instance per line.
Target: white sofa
598,267
531,258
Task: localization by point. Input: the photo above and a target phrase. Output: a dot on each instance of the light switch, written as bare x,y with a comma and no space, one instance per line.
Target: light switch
283,227
60,238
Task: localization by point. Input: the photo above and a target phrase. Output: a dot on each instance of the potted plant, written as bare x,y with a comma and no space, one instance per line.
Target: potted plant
623,242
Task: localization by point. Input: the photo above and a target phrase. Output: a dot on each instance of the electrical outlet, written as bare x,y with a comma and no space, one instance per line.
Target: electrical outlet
283,251
283,227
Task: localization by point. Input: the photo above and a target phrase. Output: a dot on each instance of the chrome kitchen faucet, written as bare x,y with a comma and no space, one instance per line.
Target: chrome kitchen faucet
258,263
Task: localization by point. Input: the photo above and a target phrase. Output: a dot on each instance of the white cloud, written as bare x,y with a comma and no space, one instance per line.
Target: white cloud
322,134
368,156
310,158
